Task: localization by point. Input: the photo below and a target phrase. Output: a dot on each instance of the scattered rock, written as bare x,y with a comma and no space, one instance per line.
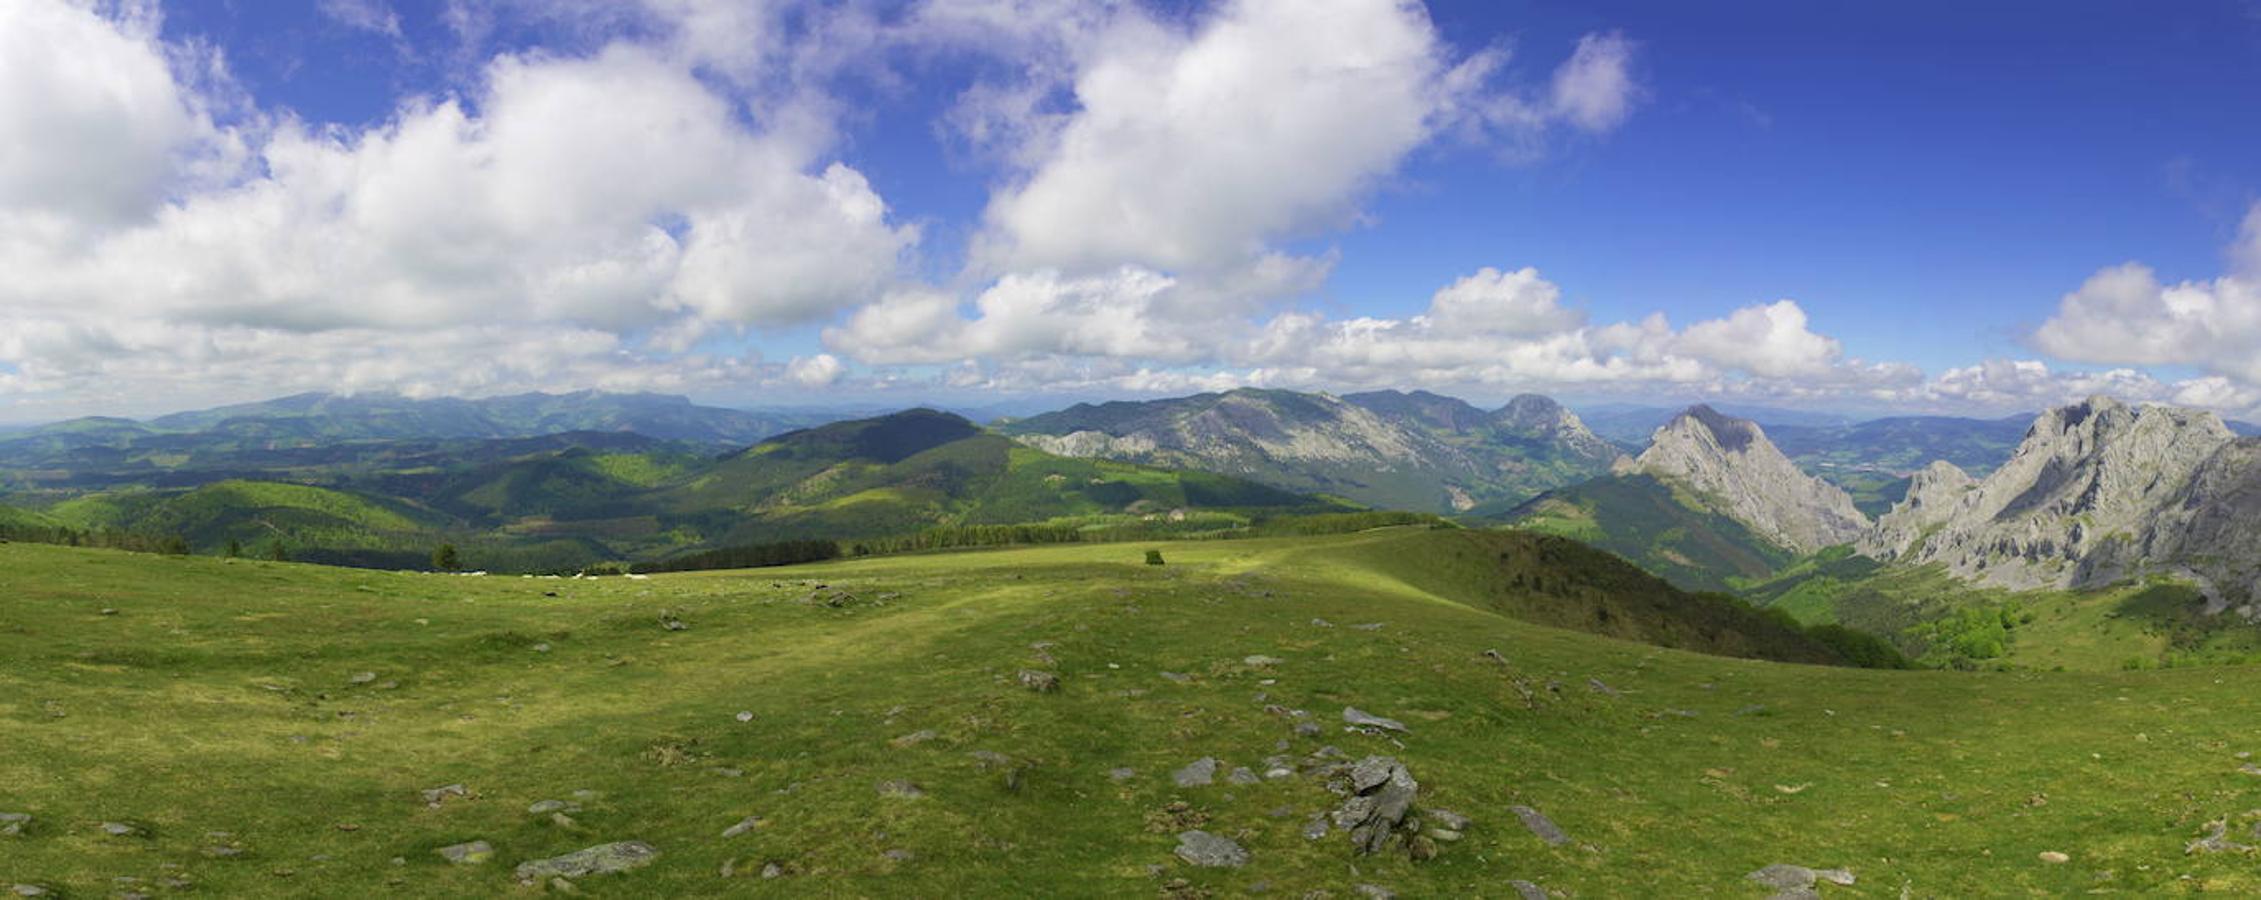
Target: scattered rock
1540,825
362,677
122,829
223,845
1122,773
1445,818
1380,791
2217,840
1039,681
1241,775
901,790
602,859
1361,719
1528,891
1321,623
899,856
1204,849
436,796
541,807
1307,729
1839,877
1199,773
30,890
1368,626
543,647
773,870
12,824
1376,892
2054,858
470,854
1784,877
745,715
1596,685
914,739
1177,677
744,825
1261,661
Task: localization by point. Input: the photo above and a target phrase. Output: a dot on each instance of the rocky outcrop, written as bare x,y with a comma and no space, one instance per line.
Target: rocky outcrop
2098,492
1734,469
1934,494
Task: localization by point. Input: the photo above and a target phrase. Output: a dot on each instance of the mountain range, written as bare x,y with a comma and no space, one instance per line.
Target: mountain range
1413,450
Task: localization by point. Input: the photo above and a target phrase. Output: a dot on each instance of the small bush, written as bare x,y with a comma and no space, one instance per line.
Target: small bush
1154,557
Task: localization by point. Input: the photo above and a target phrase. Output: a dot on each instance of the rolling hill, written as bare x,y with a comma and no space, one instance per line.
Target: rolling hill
864,728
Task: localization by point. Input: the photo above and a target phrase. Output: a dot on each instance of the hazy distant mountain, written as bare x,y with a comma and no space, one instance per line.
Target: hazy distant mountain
1630,425
390,416
1400,450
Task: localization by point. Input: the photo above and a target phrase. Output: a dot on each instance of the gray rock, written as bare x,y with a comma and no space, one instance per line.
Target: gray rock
1307,729
122,829
1354,716
1241,775
12,824
899,856
436,796
602,859
1527,891
1839,877
1039,681
901,790
1199,773
772,870
1177,677
914,739
2216,840
30,890
467,854
1204,849
1380,793
544,807
745,715
363,677
744,825
1596,685
1261,661
1446,818
990,760
1315,829
1376,892
1540,825
1123,773
1784,877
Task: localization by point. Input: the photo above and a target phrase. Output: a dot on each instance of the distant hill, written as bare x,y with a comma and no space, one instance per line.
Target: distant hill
1416,451
390,416
1629,425
562,501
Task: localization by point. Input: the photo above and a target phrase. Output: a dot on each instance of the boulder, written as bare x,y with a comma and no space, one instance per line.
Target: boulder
467,854
1204,849
1199,773
602,859
1362,719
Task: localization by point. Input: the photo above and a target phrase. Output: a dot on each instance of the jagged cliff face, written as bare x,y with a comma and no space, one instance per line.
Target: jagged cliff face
1403,450
1934,494
2098,491
1732,465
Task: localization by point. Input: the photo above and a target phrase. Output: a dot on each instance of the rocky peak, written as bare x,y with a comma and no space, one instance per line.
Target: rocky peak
1536,416
1934,493
1732,464
2087,496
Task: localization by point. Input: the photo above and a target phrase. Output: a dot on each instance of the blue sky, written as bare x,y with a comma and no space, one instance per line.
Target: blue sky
1941,207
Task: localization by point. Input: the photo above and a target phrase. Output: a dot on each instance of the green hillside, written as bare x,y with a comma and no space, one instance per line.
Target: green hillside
1657,526
867,722
1943,621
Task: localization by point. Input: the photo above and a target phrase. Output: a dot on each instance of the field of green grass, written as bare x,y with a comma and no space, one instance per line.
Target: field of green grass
301,710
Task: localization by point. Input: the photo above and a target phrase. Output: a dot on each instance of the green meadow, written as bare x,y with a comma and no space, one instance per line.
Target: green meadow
268,730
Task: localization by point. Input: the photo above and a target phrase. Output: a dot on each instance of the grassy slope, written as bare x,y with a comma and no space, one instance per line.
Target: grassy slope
2133,625
1656,526
218,699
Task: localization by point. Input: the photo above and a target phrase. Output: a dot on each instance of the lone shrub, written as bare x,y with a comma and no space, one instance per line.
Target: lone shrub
1154,557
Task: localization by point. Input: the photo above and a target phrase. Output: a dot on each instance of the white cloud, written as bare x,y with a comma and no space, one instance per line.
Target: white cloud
1496,302
817,371
1770,340
1194,150
2125,315
93,126
1595,89
375,16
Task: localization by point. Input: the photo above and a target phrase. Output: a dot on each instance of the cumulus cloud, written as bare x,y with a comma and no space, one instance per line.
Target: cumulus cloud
1770,340
374,16
1194,150
2125,315
614,193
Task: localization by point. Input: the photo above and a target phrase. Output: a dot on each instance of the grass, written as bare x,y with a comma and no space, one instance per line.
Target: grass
219,697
